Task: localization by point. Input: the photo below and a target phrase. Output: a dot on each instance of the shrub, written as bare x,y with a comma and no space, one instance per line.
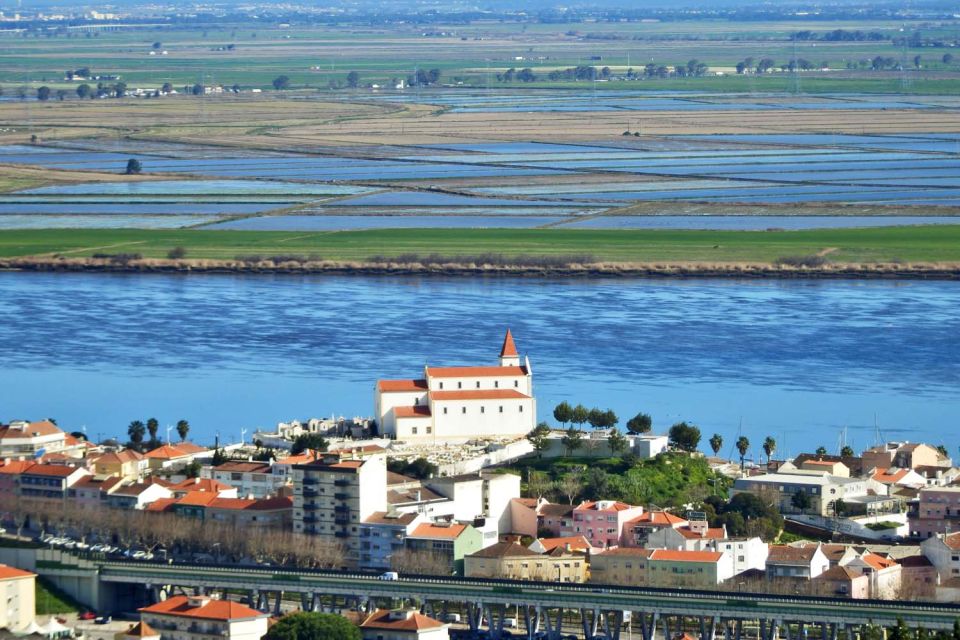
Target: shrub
119,258
802,261
177,253
486,260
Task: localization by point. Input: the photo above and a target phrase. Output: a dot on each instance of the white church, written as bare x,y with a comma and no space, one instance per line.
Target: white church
460,403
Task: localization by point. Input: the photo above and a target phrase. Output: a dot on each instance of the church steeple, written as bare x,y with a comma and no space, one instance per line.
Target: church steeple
508,353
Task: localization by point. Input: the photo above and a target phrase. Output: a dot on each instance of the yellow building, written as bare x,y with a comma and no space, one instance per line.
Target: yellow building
622,565
17,591
516,562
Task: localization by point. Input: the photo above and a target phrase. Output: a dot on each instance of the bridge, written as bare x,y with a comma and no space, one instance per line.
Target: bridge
603,610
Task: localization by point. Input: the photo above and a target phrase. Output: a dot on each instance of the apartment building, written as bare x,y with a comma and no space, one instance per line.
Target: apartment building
480,495
641,528
515,562
822,490
250,479
446,542
126,464
49,481
937,511
602,522
333,496
804,563
383,534
137,495
17,593
22,440
92,491
660,567
943,552
904,455
697,535
404,624
620,566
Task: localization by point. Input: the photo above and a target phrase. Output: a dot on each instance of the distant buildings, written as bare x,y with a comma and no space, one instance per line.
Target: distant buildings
21,440
202,618
460,403
514,561
404,624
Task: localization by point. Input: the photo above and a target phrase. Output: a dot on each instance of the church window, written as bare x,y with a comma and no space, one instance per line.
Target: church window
496,384
521,408
501,408
481,409
444,411
516,383
463,410
413,431
459,385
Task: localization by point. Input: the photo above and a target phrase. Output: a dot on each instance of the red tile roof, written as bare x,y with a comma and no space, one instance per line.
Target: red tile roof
625,551
53,470
412,622
428,530
97,482
476,372
878,562
685,556
11,573
31,430
118,457
577,543
595,505
478,394
244,467
657,519
401,386
210,610
202,485
417,411
167,452
885,477
242,504
791,555
161,505
16,467
509,349
710,534
189,447
141,630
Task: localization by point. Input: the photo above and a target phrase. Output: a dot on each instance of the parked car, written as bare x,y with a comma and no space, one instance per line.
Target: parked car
102,620
390,575
87,615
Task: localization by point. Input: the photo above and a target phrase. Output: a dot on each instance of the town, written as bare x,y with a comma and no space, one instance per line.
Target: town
453,477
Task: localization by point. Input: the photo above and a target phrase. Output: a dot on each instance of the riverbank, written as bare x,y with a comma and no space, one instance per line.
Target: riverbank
827,270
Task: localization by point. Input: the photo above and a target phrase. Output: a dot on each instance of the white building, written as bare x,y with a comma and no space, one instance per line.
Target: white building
21,439
402,625
460,402
481,495
17,594
203,617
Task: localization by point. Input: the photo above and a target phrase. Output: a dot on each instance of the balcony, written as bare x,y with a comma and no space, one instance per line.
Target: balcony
342,534
341,520
311,519
310,506
310,492
342,508
342,496
341,483
311,481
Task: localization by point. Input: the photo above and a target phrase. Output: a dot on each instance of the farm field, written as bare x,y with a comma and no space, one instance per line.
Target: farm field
910,244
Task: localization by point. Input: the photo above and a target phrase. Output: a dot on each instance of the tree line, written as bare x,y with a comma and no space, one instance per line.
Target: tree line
137,430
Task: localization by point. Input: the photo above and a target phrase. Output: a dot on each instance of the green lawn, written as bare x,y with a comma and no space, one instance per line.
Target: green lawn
51,600
911,244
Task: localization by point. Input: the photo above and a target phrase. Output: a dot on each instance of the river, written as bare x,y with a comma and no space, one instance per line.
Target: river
798,360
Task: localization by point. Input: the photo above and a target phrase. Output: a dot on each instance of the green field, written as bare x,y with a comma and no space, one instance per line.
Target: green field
907,244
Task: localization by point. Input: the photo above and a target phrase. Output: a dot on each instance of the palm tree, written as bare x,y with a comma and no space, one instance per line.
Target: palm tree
847,451
716,442
152,427
743,445
769,446
183,428
136,431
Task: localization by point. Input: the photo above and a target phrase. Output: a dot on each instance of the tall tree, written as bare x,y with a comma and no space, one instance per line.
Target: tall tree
595,418
769,446
800,501
183,428
563,412
640,423
572,440
152,427
684,436
716,442
821,450
579,415
43,93
83,90
743,445
136,431
133,167
538,484
312,625
571,485
847,451
281,83
353,79
538,437
616,441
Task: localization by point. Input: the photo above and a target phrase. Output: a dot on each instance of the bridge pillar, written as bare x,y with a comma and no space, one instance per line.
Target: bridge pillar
648,624
276,603
769,629
530,622
261,603
613,630
474,616
708,627
556,627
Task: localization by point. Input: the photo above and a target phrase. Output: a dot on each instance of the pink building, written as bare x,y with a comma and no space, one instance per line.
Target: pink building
603,523
938,511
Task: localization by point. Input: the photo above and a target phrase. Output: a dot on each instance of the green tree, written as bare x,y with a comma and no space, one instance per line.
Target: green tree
821,450
769,447
83,90
166,88
563,413
306,441
847,451
743,445
839,507
281,83
616,441
157,45
572,440
579,415
610,419
942,450
43,94
685,437
152,427
219,458
538,437
197,89
900,631
136,431
640,423
800,501
947,58
133,167
183,428
305,625
433,76
538,484
61,94
192,470
353,79
595,418
120,89
716,443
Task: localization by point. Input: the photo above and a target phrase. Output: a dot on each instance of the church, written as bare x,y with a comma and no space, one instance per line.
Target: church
460,403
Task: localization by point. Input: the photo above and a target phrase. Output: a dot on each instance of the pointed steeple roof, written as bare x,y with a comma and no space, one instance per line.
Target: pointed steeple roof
509,349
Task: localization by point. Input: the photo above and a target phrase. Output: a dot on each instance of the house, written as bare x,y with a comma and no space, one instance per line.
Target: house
49,481
747,554
894,479
694,536
704,569
602,522
405,624
854,464
203,485
943,552
139,631
918,579
460,403
513,561
649,522
572,543
820,491
480,495
833,467
22,440
10,472
17,589
937,476
836,554
384,533
937,511
126,464
419,499
784,561
250,479
92,491
333,495
169,455
203,617
843,582
883,573
525,516
137,495
903,455
554,518
275,512
620,566
444,544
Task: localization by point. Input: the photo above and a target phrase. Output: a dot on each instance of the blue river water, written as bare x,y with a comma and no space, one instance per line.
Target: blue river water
799,360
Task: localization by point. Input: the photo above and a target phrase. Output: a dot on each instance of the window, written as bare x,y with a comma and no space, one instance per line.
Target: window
496,384
516,383
441,385
501,408
459,385
444,411
478,384
463,410
429,429
413,431
521,408
482,408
